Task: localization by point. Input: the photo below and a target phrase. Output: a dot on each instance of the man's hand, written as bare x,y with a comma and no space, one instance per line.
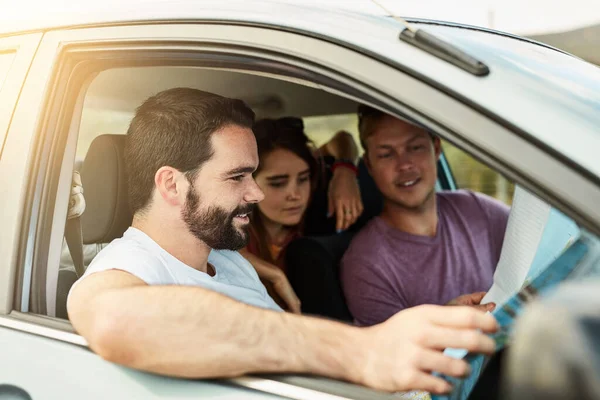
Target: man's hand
401,353
473,300
344,198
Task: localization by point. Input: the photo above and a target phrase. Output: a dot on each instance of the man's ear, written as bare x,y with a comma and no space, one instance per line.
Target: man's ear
437,147
169,184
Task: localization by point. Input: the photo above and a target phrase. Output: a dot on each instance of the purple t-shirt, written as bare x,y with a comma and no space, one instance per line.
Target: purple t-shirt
386,270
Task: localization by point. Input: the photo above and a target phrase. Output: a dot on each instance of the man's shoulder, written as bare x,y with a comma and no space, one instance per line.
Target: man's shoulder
232,261
371,230
130,245
465,199
132,254
368,239
458,196
227,257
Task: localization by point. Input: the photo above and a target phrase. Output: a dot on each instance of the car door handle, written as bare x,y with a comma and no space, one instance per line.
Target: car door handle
10,392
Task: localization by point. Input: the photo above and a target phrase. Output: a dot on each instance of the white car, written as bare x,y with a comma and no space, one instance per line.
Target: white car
529,111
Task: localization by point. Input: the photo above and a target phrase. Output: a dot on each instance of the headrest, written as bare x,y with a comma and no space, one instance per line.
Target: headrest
104,178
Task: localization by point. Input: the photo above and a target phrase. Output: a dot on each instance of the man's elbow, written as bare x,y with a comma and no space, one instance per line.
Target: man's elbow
105,341
343,134
107,334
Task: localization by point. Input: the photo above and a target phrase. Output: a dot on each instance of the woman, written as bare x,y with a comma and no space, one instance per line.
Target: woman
304,189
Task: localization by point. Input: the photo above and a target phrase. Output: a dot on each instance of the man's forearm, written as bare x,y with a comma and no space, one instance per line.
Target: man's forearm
342,146
197,333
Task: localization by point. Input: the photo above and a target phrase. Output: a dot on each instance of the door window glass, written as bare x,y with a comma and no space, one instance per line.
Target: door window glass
471,174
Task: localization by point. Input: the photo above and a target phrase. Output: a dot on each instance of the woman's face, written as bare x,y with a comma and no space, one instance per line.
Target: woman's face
285,180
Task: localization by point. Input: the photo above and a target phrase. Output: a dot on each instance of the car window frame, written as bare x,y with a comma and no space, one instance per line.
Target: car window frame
24,48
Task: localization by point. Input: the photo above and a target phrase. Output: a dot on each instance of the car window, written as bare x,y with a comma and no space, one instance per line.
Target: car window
108,107
470,174
6,60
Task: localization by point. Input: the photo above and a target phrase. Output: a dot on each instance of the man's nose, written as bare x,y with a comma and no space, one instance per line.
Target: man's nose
404,163
255,193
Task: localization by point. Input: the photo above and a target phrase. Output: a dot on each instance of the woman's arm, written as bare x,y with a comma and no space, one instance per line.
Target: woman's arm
276,277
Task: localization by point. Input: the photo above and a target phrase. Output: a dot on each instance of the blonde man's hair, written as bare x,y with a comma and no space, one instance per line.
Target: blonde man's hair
368,118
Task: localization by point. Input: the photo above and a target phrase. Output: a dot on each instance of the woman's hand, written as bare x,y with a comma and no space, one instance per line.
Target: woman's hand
283,288
276,279
344,198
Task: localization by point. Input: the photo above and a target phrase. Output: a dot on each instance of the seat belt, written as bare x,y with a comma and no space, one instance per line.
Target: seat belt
73,232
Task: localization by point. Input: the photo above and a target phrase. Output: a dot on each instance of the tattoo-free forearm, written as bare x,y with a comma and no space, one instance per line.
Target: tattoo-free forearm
198,333
341,146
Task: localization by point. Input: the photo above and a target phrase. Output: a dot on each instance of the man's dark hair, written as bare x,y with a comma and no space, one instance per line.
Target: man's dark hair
174,128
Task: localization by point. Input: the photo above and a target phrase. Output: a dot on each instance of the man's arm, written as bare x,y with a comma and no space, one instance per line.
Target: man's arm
472,300
341,147
344,198
193,332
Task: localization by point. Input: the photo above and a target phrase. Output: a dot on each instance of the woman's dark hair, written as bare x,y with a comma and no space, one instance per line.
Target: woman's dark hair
287,134
284,133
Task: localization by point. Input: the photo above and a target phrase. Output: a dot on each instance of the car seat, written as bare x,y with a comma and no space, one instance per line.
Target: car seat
107,214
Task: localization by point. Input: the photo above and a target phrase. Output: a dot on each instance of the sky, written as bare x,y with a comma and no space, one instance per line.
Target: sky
515,16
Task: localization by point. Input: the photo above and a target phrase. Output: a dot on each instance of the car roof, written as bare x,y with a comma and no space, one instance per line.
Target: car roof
276,12
539,90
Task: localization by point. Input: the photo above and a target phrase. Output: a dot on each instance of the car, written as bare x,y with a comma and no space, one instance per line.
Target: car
526,110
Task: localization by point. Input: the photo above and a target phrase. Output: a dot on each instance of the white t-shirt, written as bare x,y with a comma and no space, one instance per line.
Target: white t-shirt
141,256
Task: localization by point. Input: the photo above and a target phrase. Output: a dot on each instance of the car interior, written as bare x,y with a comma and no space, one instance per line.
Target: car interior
109,105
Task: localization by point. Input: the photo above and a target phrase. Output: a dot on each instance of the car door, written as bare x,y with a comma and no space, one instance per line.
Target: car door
16,53
44,357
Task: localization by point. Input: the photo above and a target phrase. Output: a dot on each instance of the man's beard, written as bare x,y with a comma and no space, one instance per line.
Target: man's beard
215,226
